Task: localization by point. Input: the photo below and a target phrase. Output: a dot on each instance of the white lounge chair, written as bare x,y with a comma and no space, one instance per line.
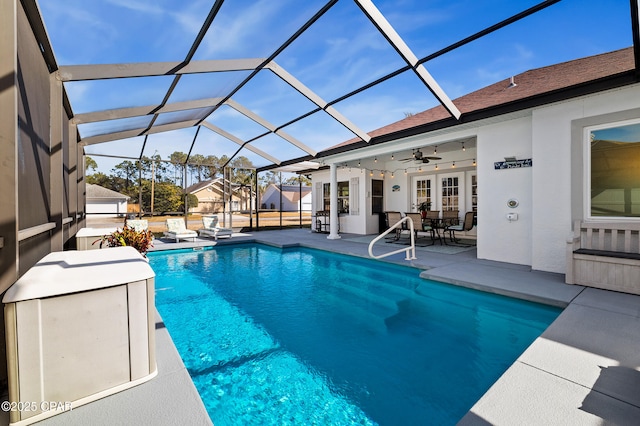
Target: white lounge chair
138,225
177,230
211,228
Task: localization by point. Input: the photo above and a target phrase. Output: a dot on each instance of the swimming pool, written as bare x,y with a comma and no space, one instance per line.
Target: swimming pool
303,336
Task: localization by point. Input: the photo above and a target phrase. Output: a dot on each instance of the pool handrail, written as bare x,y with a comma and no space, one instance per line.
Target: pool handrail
411,249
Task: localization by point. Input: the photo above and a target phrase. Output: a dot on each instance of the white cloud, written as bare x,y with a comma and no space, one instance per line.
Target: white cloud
138,6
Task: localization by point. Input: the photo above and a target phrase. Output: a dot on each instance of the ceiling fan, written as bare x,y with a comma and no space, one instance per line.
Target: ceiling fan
418,156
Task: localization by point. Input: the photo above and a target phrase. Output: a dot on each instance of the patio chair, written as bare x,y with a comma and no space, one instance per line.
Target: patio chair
138,225
466,225
392,219
432,214
211,229
176,229
450,218
420,226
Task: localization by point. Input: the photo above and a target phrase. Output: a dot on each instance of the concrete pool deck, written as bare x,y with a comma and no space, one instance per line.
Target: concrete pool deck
584,369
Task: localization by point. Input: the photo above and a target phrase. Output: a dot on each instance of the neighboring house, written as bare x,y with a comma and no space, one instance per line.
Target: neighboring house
103,202
294,198
211,196
544,145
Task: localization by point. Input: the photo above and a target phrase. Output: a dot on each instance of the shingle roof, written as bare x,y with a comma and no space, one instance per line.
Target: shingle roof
529,84
97,191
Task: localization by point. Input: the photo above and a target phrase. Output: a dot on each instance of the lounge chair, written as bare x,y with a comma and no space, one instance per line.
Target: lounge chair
211,228
138,225
177,230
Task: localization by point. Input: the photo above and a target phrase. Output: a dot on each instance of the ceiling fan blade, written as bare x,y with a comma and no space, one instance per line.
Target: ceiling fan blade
431,157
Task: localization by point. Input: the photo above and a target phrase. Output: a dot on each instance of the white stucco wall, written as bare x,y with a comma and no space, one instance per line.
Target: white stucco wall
552,186
363,222
107,208
549,193
498,238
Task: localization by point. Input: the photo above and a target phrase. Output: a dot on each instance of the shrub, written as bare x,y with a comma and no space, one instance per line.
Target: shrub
139,240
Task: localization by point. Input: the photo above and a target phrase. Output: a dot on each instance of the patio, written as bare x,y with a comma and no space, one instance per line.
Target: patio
582,370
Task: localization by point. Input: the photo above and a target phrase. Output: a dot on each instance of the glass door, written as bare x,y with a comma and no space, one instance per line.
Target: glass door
423,190
452,192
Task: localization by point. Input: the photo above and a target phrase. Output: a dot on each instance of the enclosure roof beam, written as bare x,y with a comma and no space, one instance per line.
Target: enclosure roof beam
114,114
387,30
114,136
264,123
317,100
240,142
153,69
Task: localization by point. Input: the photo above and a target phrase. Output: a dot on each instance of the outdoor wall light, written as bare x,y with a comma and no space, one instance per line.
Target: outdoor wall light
474,161
392,156
453,165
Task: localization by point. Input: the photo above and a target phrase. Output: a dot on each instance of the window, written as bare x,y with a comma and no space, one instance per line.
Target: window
474,193
614,170
343,197
450,190
377,196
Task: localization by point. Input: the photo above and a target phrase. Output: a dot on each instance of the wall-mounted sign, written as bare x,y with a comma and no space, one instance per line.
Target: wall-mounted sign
516,164
395,188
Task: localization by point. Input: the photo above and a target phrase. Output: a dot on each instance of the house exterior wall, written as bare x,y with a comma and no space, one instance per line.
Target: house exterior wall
559,184
107,208
498,238
271,197
210,200
364,222
550,193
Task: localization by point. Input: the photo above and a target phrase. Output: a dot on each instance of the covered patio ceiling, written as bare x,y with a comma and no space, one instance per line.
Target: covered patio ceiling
278,98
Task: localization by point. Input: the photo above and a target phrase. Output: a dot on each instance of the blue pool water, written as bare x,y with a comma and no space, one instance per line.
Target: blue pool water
301,336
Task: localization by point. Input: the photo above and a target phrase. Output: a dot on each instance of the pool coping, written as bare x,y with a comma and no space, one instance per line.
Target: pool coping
585,368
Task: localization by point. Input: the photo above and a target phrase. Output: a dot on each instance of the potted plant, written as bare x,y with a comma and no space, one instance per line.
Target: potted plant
139,240
423,207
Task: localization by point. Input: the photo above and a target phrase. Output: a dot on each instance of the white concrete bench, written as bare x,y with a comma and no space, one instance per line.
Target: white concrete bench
605,255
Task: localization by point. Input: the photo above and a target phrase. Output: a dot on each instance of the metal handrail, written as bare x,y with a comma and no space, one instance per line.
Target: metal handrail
411,248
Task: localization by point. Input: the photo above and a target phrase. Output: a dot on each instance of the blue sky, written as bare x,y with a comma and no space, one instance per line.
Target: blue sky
339,53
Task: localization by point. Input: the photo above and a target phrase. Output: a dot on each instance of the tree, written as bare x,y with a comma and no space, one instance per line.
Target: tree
99,178
212,166
89,163
167,197
128,172
197,166
178,159
267,179
295,180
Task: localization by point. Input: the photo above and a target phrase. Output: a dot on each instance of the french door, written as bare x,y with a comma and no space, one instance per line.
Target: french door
423,189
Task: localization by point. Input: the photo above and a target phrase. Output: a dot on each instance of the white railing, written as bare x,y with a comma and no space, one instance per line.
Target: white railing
411,250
